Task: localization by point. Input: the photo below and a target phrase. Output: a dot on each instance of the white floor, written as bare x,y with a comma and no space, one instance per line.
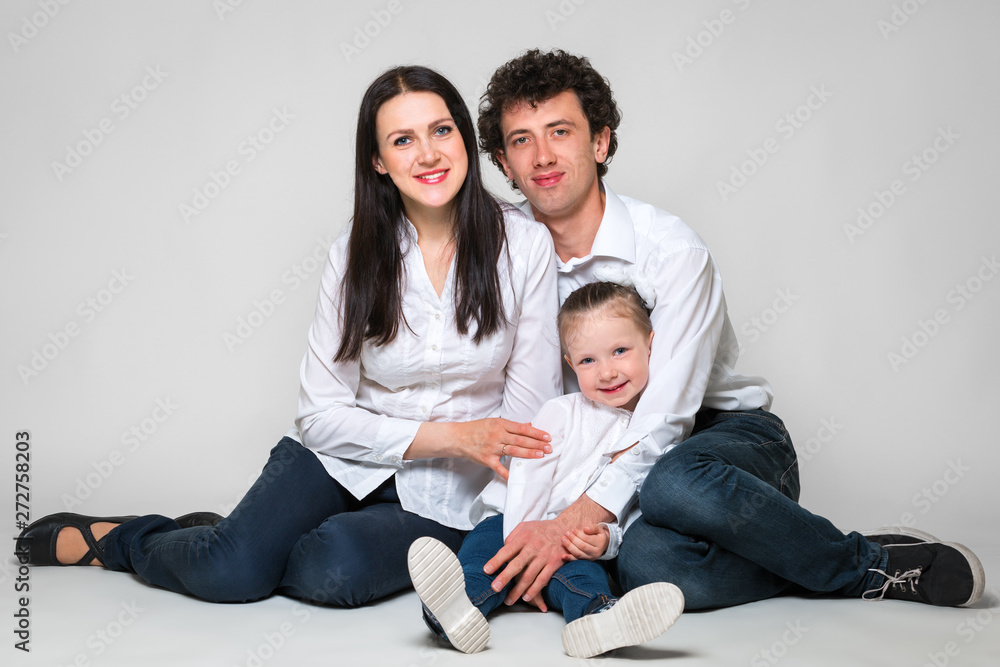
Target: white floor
88,616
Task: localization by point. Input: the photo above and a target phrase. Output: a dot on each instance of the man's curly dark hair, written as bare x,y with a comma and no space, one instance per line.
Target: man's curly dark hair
537,76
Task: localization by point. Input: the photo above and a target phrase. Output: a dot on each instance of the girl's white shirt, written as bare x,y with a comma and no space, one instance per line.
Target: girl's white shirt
585,435
360,417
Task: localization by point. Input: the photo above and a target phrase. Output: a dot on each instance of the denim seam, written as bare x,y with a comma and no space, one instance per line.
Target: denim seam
738,415
571,587
483,597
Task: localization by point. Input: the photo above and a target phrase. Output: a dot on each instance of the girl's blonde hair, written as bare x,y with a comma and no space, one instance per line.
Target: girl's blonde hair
603,298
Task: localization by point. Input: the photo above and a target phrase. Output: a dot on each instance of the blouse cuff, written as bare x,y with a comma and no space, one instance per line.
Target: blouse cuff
393,439
615,541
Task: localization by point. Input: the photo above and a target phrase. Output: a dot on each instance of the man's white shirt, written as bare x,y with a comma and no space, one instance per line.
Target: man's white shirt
694,352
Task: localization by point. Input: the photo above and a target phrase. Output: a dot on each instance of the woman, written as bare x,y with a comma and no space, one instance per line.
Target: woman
436,313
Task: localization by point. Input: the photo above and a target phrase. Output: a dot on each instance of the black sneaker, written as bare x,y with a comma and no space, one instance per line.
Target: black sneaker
898,535
945,574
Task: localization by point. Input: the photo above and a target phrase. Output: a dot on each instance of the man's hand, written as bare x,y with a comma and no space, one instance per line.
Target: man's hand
534,551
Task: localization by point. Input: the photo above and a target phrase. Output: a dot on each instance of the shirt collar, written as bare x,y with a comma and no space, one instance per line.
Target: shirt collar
616,235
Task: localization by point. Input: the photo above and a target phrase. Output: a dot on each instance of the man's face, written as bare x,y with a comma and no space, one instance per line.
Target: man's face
549,151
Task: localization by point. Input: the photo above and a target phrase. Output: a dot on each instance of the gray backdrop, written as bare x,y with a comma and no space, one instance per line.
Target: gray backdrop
173,173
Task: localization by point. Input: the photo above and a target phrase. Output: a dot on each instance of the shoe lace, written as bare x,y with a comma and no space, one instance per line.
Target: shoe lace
911,577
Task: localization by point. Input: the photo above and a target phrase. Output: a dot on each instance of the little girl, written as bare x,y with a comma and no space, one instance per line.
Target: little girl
606,335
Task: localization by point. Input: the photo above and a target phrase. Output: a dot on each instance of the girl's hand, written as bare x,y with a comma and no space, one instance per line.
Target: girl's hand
587,543
483,441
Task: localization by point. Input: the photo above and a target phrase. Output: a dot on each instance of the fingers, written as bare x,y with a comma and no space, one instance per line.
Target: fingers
528,431
538,602
524,440
534,591
523,582
575,551
499,469
505,554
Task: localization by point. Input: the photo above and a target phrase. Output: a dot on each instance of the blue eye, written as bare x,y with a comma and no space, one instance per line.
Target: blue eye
586,360
621,350
443,130
401,141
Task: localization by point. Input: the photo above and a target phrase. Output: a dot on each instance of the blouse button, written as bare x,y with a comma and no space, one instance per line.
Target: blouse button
378,457
434,347
437,316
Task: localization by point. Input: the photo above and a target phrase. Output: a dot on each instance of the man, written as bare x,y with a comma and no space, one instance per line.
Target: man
714,472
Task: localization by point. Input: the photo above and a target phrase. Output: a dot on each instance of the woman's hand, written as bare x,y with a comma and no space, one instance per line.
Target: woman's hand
483,441
587,543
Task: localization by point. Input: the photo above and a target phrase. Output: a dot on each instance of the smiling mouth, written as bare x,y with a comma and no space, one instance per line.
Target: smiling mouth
611,390
433,177
546,180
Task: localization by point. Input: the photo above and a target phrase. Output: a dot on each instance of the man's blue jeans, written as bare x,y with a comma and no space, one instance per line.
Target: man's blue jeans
578,587
297,532
720,519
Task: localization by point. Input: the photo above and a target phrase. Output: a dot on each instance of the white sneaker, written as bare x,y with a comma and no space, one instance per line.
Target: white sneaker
438,579
638,616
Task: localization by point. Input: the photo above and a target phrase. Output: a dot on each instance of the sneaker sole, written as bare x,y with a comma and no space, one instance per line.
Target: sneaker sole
903,531
438,579
640,615
978,573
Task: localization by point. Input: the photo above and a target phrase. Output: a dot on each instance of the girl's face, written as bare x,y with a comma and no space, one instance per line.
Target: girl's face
421,149
610,356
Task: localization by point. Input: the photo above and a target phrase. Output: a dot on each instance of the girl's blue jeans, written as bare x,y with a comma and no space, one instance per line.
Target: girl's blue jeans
578,587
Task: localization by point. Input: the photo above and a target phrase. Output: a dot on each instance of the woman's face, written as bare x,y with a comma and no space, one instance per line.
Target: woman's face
421,149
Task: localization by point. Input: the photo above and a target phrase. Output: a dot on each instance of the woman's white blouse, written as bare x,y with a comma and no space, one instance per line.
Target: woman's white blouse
360,417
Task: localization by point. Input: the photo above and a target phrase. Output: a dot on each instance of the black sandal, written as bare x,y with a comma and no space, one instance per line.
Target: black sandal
37,542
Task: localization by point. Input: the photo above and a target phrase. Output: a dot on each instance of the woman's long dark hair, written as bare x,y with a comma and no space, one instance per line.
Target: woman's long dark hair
373,282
